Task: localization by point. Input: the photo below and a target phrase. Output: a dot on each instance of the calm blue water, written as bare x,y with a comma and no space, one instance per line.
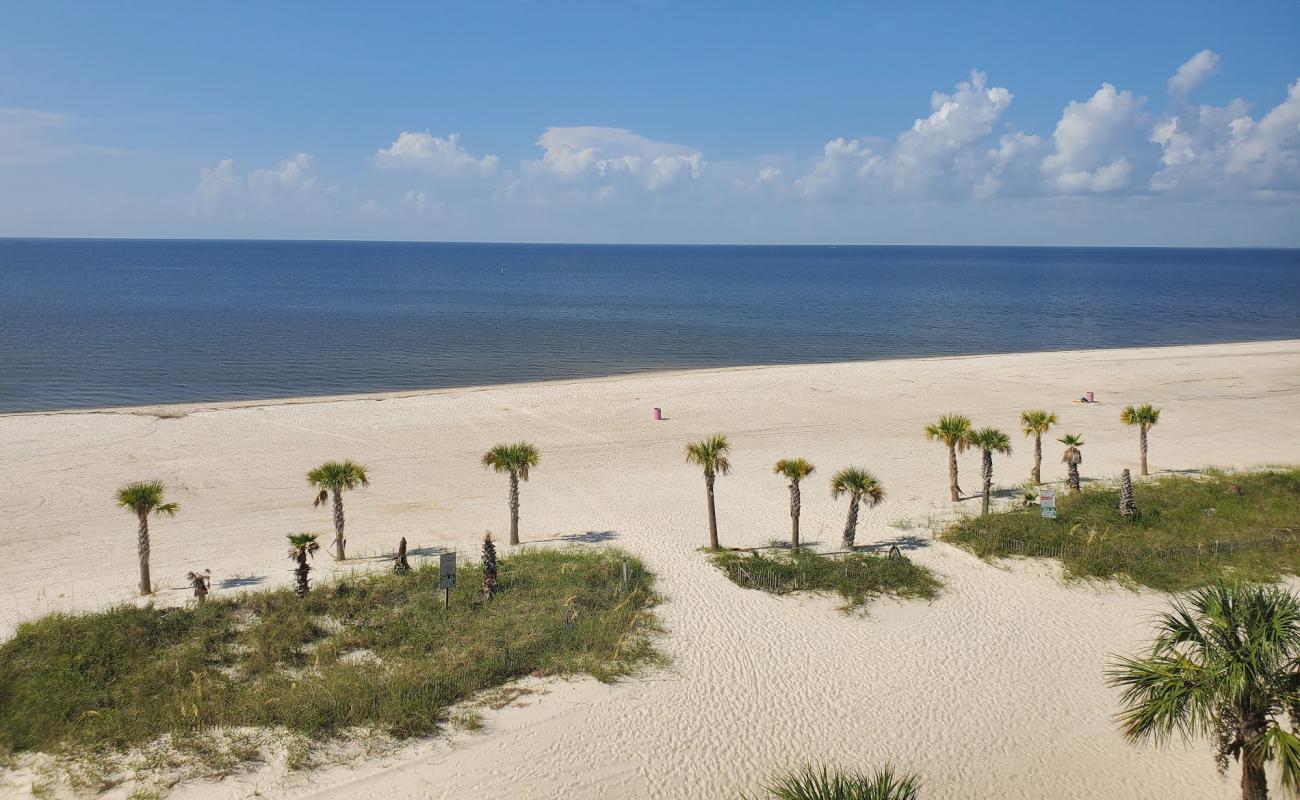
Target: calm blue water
98,323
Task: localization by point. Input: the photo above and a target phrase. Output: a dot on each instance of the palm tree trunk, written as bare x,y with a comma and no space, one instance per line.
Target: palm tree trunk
1142,448
851,525
339,541
1254,783
142,548
953,489
301,572
986,471
514,508
1073,480
795,502
713,516
1037,477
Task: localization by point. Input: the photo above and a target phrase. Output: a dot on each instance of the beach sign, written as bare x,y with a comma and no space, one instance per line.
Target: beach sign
1047,501
446,570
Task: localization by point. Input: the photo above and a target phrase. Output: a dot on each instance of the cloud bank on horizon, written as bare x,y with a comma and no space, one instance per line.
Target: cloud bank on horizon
1111,155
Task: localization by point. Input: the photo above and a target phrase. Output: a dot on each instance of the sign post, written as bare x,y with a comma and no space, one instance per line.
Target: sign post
446,577
1047,501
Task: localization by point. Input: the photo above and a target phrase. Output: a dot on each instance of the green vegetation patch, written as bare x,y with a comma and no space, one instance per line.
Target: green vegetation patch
858,578
1190,531
376,653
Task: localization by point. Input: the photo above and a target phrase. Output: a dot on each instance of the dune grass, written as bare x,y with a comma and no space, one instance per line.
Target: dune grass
1191,531
375,653
858,578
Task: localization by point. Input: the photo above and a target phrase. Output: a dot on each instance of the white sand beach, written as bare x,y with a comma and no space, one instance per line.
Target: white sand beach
995,690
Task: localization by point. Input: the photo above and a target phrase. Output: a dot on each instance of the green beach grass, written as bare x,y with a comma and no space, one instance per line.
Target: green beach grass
370,653
1191,530
858,578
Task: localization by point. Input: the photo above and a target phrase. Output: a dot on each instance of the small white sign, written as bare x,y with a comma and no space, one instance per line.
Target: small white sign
446,570
1047,501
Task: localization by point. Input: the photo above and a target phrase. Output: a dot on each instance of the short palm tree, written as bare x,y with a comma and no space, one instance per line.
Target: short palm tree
954,431
143,499
1035,422
1144,417
1223,665
302,545
711,454
821,783
334,478
862,487
989,441
794,470
515,460
1072,458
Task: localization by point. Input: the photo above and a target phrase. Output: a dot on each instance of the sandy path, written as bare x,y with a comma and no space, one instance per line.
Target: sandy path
993,691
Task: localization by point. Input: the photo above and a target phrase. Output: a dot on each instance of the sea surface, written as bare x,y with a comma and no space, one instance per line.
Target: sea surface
89,323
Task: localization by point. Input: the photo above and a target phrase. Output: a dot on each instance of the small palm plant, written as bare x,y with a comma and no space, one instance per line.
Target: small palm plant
1223,665
1144,417
711,454
1035,422
302,545
143,499
335,478
515,460
1072,458
794,470
821,783
989,441
862,487
489,567
954,431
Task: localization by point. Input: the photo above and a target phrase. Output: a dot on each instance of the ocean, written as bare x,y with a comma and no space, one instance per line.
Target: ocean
91,323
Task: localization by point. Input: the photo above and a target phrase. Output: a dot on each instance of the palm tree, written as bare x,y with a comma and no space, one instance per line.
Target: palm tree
794,470
1145,417
514,459
489,567
861,486
333,478
989,441
711,454
1035,422
143,499
1224,665
821,783
1072,458
302,545
954,431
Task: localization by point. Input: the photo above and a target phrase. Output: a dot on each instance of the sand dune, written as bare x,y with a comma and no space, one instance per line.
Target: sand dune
993,691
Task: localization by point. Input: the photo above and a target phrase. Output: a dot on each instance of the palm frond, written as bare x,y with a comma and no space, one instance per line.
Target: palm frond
1036,421
951,429
794,469
859,483
337,476
992,440
144,498
514,457
1143,415
711,454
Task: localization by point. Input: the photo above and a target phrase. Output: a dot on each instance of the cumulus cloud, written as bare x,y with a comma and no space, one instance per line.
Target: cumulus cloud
1194,72
1092,141
608,156
290,187
435,155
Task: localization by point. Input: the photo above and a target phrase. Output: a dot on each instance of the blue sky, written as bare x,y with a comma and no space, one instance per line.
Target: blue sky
987,123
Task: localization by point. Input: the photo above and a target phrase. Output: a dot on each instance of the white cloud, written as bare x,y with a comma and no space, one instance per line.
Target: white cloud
1092,141
286,189
1194,72
424,152
606,156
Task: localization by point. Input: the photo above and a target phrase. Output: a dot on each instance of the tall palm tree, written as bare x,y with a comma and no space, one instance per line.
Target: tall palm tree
711,454
334,478
1144,417
989,441
143,499
1072,458
302,545
1224,665
515,460
1035,422
794,470
954,431
861,486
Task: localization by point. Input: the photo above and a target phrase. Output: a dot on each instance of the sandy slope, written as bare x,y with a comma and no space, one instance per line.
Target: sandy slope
993,691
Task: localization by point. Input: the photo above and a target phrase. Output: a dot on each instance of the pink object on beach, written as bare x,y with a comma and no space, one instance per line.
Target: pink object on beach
658,414
1089,396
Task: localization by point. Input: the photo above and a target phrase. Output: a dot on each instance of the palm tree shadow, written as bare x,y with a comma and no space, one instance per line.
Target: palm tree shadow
417,551
906,543
587,537
241,581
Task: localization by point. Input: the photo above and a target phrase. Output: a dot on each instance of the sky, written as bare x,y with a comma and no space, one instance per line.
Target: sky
1017,123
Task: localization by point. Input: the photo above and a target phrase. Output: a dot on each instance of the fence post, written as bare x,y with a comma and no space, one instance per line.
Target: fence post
625,576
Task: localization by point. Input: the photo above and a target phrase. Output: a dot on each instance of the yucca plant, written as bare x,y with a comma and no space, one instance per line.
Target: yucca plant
1223,665
335,478
302,545
862,487
143,499
514,460
989,441
794,470
712,455
823,783
954,431
1072,458
1144,417
1035,422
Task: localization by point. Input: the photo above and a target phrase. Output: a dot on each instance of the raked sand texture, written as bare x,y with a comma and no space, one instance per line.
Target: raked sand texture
995,690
